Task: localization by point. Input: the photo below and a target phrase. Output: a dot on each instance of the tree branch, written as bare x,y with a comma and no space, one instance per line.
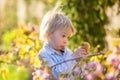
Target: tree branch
80,57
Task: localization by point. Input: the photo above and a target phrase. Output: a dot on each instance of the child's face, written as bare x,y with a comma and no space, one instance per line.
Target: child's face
58,39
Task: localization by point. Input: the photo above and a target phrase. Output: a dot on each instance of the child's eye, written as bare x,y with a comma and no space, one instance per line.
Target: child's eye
63,36
68,37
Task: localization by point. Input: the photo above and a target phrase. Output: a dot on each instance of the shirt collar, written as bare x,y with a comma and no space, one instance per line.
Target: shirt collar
52,51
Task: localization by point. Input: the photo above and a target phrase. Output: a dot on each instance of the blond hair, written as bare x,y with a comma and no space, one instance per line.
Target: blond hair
53,20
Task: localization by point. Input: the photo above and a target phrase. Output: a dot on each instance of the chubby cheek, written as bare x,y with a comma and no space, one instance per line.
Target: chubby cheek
58,41
54,39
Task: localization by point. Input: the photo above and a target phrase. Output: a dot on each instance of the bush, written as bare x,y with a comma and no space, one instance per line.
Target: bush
20,59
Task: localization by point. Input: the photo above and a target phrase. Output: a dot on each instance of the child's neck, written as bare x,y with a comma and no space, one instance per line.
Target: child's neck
58,50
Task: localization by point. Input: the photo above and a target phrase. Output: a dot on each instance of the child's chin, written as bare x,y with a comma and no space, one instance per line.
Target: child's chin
62,50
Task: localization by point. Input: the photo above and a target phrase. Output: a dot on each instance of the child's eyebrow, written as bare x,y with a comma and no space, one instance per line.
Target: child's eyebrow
65,33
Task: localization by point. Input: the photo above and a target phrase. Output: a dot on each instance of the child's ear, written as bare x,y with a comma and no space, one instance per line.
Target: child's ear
47,37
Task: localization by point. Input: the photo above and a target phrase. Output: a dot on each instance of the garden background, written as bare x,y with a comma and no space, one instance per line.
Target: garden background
96,21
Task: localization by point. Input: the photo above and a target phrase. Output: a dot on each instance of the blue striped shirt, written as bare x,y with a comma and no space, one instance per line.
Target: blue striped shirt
53,57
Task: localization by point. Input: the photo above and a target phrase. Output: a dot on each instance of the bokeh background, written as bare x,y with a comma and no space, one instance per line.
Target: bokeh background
96,21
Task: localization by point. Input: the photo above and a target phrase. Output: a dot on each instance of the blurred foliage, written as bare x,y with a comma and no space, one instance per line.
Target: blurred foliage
9,18
8,21
20,59
31,18
12,72
10,11
26,45
89,19
6,38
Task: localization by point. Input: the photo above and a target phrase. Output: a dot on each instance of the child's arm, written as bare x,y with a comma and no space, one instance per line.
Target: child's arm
61,68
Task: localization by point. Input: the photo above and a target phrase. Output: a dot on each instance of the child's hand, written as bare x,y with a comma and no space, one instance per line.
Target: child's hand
85,46
83,49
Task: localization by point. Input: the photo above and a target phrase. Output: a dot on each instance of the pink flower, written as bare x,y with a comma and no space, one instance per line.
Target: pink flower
90,76
66,79
77,70
85,72
45,76
91,65
113,60
109,76
98,67
94,69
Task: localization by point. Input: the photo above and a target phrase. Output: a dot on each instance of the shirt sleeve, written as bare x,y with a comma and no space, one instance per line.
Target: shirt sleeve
46,57
65,67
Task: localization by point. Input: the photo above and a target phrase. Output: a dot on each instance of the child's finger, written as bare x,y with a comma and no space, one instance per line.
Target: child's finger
85,45
84,51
